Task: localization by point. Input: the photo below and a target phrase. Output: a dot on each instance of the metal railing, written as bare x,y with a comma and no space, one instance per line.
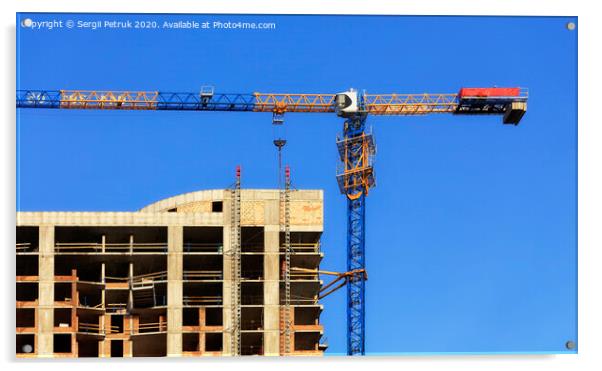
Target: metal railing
109,247
252,325
146,279
94,328
90,328
113,279
301,300
202,300
247,274
203,247
26,247
203,275
116,307
303,247
296,275
144,328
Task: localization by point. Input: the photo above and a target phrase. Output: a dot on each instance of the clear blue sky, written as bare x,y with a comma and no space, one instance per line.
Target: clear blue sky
472,229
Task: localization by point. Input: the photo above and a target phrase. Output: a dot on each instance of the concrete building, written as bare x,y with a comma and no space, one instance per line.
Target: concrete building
157,282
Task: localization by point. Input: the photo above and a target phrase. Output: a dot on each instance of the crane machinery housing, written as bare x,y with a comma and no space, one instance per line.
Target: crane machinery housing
356,146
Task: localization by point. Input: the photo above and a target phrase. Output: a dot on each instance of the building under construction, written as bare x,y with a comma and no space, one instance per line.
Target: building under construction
207,273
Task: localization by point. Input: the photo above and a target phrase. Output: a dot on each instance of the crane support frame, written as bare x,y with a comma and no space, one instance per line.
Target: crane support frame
356,150
356,303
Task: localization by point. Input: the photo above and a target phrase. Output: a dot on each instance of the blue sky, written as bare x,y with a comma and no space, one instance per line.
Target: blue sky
472,229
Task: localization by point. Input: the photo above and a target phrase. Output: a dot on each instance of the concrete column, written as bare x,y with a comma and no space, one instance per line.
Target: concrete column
102,325
271,286
46,291
175,267
128,346
131,278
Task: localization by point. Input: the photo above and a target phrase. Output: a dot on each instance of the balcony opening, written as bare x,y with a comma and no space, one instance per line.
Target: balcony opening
307,340
27,265
150,346
303,242
252,267
116,348
204,239
213,317
90,298
203,267
87,348
62,291
117,272
62,317
252,293
89,323
26,317
305,316
62,343
116,301
26,343
152,322
217,206
27,291
252,239
252,318
86,268
202,293
252,344
213,342
190,317
190,342
116,239
150,267
117,324
27,239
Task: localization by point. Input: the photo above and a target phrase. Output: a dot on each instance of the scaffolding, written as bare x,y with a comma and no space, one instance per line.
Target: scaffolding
285,221
235,266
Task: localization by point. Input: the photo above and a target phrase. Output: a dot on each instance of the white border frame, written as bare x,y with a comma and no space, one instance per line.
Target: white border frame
590,179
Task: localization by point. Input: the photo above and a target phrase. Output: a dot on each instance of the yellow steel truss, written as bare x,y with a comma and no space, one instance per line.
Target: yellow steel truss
357,175
375,104
281,103
410,104
96,99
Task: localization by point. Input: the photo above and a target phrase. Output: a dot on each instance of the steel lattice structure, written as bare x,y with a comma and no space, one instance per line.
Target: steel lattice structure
356,148
355,178
374,104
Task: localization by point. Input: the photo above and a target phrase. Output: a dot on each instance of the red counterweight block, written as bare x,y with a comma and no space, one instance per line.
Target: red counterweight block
489,92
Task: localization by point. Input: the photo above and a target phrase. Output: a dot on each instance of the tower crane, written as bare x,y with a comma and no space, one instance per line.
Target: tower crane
356,145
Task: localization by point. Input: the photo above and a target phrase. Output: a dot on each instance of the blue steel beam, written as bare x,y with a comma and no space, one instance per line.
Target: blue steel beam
357,177
167,101
196,102
356,303
38,99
